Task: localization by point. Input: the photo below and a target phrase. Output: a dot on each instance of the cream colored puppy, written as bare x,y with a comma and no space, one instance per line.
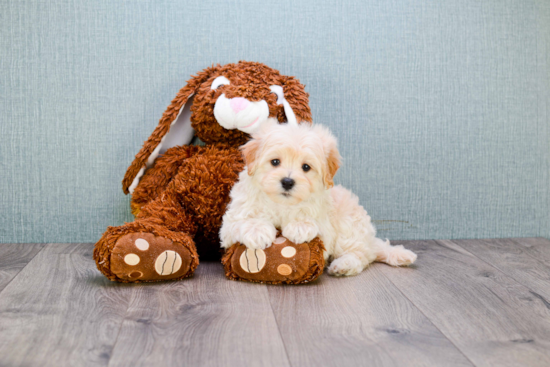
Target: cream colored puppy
288,184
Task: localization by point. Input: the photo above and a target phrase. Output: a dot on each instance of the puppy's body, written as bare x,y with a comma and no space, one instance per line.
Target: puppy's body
276,191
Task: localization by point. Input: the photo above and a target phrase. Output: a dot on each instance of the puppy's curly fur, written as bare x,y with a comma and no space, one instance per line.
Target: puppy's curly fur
288,184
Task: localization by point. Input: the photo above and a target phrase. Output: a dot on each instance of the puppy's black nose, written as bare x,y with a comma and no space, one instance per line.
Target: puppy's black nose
287,183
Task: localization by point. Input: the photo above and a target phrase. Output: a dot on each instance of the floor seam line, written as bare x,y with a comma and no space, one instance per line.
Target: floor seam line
429,319
20,270
278,328
119,330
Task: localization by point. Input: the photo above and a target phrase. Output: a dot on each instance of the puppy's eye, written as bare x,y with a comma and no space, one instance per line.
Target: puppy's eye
275,162
306,167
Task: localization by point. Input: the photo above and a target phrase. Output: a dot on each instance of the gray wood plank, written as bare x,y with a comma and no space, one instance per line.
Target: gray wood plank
203,321
536,247
13,258
60,311
490,317
515,261
358,321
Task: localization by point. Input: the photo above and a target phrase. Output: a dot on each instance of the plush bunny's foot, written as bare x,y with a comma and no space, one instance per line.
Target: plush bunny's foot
145,257
126,256
283,262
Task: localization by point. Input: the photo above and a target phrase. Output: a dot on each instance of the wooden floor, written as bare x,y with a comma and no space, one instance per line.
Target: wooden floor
469,302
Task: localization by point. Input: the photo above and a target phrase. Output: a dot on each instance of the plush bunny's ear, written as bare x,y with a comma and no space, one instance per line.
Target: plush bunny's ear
297,99
290,116
174,129
293,97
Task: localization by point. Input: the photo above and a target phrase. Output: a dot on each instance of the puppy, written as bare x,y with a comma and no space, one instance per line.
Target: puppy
288,184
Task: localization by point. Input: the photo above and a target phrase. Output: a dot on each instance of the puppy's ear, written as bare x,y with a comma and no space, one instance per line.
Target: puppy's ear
250,153
332,155
174,128
333,163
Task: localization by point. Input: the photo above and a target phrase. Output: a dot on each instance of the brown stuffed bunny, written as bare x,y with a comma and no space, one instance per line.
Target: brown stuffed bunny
180,191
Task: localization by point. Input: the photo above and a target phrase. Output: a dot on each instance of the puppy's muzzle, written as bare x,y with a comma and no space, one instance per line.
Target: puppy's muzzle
287,183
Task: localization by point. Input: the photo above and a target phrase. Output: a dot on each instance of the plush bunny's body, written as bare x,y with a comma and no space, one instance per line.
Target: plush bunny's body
180,192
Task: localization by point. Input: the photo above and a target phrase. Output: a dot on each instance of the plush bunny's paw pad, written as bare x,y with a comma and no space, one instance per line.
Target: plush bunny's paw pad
146,257
282,262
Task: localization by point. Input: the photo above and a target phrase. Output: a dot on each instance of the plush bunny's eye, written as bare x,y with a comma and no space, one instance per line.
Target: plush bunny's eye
275,162
305,167
219,81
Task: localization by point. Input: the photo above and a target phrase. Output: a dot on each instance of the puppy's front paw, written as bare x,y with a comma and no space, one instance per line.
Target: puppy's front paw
259,236
345,265
300,232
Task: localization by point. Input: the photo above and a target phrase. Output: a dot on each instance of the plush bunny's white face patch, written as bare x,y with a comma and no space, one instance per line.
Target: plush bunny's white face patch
238,113
242,114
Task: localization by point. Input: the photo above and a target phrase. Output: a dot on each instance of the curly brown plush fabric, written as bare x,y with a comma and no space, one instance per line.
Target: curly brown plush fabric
304,267
179,201
250,80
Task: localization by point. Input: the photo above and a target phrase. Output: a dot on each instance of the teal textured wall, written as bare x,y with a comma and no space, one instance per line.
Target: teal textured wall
442,108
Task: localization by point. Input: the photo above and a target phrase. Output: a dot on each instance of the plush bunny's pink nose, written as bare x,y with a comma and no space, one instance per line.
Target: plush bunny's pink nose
238,104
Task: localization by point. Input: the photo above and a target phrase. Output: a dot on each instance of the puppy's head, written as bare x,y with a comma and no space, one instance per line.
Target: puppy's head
292,162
